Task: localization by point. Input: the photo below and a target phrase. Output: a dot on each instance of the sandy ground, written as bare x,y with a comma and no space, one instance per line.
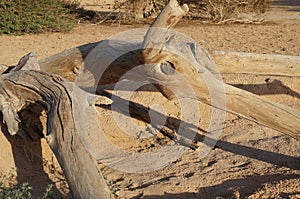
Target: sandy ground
249,160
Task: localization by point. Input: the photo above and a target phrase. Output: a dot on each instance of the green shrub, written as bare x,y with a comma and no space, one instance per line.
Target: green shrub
35,16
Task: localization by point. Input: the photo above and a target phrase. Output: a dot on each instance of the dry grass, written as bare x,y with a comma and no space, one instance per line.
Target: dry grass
222,11
216,11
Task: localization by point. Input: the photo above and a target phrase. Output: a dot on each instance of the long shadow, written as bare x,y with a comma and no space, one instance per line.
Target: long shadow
27,154
262,155
246,187
140,112
291,5
269,88
286,2
93,15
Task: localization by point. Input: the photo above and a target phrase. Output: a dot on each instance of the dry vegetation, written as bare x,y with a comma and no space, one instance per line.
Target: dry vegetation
62,15
221,174
216,11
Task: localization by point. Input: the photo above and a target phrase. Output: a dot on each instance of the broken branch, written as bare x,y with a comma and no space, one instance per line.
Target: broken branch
54,95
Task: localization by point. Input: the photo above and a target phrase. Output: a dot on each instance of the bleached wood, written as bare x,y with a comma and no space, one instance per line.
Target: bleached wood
54,95
239,102
257,64
276,116
157,34
269,114
68,62
245,104
187,61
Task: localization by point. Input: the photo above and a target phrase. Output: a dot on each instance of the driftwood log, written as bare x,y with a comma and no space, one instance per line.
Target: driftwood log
70,61
257,64
245,104
164,56
40,92
239,102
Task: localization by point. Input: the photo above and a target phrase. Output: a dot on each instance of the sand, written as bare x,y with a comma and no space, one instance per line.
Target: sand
249,160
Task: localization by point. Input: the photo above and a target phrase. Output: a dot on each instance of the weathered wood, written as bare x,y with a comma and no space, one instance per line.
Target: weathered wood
157,34
27,62
276,116
3,68
120,66
171,54
68,62
257,64
279,117
51,93
166,58
194,64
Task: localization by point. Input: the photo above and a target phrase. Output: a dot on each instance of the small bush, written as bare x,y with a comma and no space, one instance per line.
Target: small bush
35,16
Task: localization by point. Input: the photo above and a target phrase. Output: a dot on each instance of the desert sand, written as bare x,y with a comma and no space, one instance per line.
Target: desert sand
249,160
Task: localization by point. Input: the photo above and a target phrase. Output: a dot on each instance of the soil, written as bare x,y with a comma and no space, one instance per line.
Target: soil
248,161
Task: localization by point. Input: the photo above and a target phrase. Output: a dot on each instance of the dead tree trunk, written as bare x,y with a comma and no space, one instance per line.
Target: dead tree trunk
240,102
156,51
54,95
257,64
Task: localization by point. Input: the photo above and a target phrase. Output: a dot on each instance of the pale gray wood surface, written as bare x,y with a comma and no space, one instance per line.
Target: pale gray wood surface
54,95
